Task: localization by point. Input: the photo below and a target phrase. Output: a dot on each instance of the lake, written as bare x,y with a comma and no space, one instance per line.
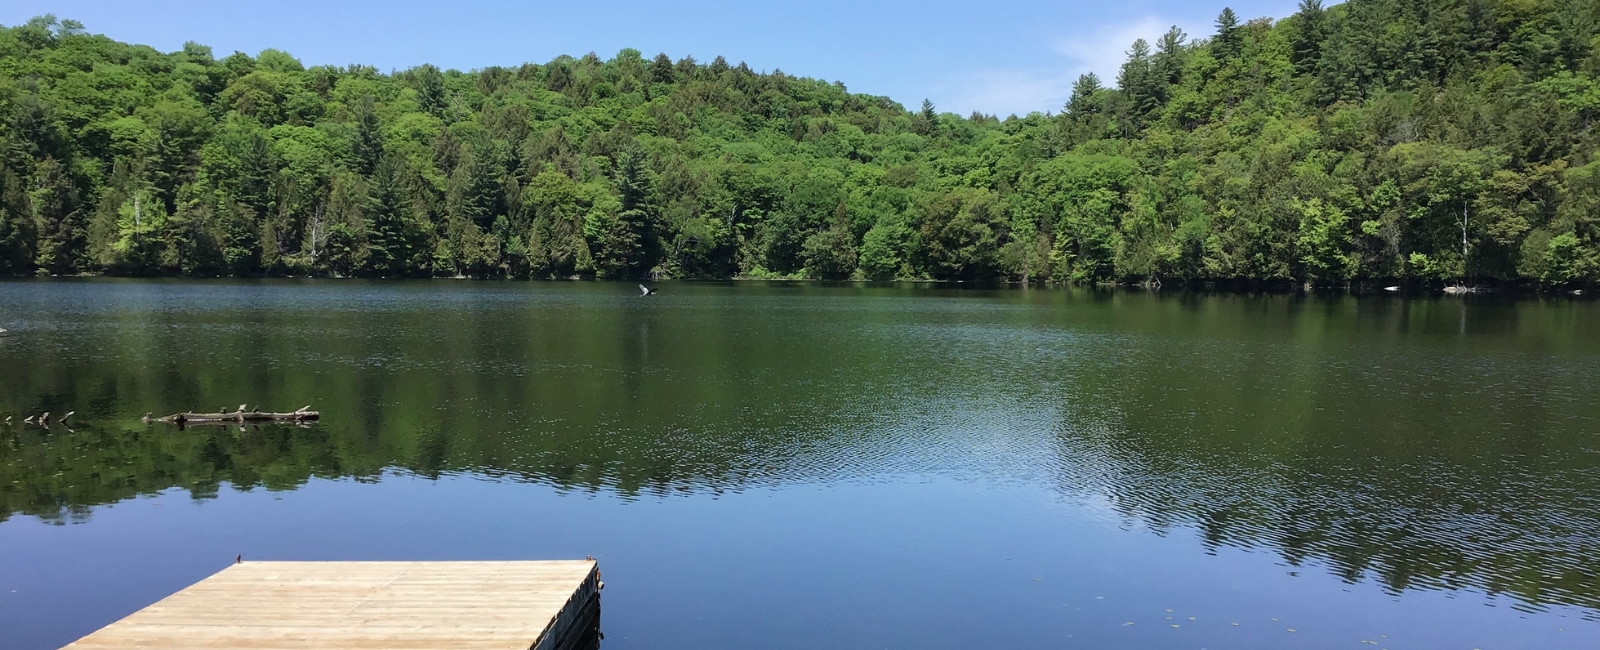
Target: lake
793,465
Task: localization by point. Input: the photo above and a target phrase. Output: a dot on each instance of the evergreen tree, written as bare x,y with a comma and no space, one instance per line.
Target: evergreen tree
258,175
1225,45
368,145
389,231
429,84
58,219
17,234
482,190
926,121
1139,80
661,70
1308,36
1168,63
1083,101
634,237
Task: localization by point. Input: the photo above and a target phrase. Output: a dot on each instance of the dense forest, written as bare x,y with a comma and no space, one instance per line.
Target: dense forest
1420,141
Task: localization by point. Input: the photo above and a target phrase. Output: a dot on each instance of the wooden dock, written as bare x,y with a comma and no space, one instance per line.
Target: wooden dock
371,605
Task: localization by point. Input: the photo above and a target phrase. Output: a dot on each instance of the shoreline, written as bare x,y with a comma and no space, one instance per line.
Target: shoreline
1389,286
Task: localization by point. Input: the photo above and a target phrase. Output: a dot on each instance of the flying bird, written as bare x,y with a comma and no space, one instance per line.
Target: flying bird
645,291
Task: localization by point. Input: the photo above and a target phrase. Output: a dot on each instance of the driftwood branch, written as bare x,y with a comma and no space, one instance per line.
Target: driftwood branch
303,415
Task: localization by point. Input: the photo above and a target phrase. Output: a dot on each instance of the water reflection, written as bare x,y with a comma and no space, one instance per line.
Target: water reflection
1418,444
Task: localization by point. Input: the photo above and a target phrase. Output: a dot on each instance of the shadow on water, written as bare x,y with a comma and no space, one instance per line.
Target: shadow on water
1421,444
589,637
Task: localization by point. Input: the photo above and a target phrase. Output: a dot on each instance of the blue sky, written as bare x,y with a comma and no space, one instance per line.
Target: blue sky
995,57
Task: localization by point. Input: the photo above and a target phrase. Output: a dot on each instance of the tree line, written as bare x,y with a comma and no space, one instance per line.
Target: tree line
1376,140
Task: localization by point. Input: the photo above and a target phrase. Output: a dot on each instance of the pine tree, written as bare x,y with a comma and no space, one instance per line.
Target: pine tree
1083,103
58,220
1308,36
926,121
1225,45
429,84
482,195
634,190
1136,79
633,187
389,242
1168,64
368,145
17,234
258,175
661,69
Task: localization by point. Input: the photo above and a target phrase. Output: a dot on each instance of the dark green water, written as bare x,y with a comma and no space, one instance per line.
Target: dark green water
776,466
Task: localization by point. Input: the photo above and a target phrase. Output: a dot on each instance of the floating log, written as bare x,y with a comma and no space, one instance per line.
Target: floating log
304,414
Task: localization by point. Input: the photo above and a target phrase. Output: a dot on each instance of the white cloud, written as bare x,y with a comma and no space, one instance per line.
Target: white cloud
1103,51
1004,92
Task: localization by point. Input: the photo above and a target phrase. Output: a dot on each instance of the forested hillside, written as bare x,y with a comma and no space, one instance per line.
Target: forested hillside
1419,140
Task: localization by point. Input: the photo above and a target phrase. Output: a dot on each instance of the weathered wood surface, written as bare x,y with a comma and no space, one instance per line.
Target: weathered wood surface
303,415
364,605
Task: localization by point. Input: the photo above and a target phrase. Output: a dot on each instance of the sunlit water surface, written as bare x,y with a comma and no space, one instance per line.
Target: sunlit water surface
805,466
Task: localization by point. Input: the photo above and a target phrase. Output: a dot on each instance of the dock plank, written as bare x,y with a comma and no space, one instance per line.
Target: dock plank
360,606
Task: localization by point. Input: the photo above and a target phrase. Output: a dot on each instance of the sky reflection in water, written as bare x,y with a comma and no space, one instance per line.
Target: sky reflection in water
772,465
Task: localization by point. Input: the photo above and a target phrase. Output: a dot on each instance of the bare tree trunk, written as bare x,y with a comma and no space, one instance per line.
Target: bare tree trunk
316,233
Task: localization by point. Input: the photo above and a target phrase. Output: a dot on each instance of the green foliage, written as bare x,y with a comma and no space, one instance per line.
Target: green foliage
392,239
1324,241
830,254
883,251
1373,139
961,234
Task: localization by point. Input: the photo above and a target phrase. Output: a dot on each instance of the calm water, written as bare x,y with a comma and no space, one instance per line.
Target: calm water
803,466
